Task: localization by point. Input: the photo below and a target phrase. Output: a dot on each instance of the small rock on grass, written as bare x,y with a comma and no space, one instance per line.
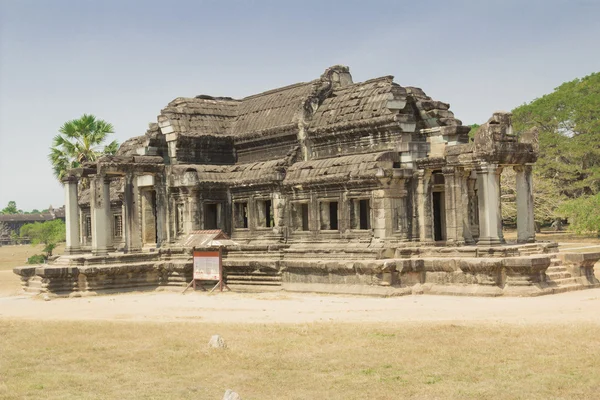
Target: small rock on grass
217,342
231,395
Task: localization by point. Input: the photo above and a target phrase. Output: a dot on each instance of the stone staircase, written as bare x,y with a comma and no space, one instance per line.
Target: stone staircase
560,280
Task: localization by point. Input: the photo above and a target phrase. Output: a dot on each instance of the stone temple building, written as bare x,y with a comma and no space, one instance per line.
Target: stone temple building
323,185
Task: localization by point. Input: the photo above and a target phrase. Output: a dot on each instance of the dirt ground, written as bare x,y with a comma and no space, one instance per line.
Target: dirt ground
281,307
284,307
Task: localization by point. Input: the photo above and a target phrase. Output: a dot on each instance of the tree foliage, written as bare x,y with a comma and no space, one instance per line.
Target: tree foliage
11,208
569,124
80,140
568,168
583,213
546,199
48,233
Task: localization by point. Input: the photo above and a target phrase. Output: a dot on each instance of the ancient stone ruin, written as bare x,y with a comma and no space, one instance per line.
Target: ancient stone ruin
328,185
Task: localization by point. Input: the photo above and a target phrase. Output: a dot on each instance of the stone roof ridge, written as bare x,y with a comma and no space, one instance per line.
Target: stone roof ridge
433,113
130,146
178,101
353,86
218,98
352,105
279,89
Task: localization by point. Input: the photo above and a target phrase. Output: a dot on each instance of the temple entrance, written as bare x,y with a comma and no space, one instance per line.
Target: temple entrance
211,216
439,217
149,217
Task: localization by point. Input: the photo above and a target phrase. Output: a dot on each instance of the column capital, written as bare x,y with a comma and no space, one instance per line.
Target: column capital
448,170
70,179
523,168
486,168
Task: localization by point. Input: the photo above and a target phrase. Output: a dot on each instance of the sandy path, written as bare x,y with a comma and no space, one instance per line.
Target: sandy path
580,306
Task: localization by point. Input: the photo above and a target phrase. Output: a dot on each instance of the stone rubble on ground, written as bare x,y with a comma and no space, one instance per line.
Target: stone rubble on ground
217,342
231,395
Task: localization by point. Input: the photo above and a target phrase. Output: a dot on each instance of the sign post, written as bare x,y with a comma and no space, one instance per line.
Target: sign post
208,266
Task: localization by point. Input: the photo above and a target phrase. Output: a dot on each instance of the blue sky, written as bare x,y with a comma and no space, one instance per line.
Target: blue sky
124,60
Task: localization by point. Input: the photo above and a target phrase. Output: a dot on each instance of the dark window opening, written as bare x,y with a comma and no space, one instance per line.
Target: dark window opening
333,215
438,213
264,214
211,216
300,216
241,215
364,214
304,217
269,223
329,215
360,217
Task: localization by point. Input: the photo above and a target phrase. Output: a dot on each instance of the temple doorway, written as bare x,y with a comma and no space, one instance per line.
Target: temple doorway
149,230
439,216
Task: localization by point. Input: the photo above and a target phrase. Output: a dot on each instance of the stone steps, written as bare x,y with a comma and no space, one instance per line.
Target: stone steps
565,281
559,279
568,288
554,276
254,279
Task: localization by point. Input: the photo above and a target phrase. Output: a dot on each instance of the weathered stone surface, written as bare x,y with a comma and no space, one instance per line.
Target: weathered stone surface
371,186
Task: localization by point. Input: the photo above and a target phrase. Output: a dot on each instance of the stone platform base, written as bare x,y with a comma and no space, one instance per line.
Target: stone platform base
526,270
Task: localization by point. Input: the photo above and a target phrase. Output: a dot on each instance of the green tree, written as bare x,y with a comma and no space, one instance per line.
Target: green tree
11,208
569,128
569,161
583,213
79,141
48,233
473,131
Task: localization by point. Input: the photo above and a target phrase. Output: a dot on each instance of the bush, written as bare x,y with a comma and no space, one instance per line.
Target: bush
583,213
36,259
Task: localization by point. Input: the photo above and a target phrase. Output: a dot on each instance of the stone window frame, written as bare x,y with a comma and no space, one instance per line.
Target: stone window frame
179,218
117,227
234,203
256,201
88,225
400,228
329,200
308,203
350,201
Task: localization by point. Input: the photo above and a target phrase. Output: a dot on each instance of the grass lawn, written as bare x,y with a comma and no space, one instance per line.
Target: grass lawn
111,360
15,256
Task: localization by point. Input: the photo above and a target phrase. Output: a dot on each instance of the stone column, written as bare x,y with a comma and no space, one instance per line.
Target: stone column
473,212
71,215
451,205
488,199
499,188
131,217
424,207
525,215
196,210
383,203
101,217
162,211
465,207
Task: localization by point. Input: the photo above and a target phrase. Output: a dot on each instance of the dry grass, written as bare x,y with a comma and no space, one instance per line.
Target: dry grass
109,360
553,236
15,256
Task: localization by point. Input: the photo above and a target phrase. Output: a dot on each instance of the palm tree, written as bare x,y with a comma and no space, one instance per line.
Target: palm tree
79,141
